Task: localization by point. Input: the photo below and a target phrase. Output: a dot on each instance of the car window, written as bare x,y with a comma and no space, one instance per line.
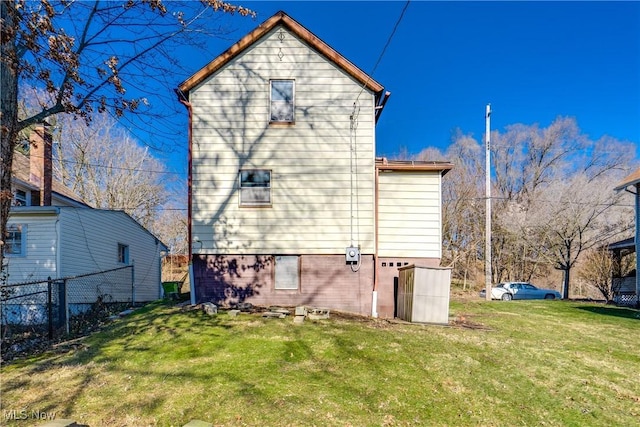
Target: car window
530,287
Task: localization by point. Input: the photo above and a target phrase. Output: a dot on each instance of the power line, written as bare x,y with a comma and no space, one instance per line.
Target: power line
384,49
113,167
393,32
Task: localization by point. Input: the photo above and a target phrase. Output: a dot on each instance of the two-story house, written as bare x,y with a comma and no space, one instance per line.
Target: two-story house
288,204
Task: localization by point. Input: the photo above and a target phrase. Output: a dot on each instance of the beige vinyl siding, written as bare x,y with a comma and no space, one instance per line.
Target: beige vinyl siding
40,260
409,214
90,239
310,161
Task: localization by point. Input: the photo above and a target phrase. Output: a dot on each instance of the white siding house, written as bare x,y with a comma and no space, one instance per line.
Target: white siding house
63,241
283,176
67,238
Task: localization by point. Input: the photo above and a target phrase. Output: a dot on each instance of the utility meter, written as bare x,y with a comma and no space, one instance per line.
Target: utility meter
353,255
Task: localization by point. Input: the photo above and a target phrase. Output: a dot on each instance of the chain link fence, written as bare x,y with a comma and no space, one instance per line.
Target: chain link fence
32,314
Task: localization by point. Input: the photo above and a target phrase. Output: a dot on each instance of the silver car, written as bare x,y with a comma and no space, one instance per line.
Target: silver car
520,290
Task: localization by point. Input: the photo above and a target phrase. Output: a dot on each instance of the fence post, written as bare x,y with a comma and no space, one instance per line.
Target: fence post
50,305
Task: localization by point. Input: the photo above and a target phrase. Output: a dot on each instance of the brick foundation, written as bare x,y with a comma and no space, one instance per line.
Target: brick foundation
325,281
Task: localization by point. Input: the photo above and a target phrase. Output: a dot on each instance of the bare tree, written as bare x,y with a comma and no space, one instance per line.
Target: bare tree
90,56
554,196
575,215
462,204
171,227
552,199
108,169
600,267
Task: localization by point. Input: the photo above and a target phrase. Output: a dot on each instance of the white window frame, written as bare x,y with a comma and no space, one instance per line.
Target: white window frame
254,192
15,231
123,253
281,109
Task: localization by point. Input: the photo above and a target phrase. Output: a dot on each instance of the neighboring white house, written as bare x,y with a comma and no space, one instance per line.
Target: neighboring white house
64,241
631,184
288,203
52,233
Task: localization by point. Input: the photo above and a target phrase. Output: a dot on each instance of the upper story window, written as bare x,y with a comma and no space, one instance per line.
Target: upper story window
123,253
282,101
20,198
255,187
15,243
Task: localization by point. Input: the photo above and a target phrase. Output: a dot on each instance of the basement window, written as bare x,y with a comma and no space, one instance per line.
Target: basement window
255,187
287,272
282,101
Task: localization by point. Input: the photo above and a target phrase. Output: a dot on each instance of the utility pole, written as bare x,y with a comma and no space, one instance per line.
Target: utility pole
487,189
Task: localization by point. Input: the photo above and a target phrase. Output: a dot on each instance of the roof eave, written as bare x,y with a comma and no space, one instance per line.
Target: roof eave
281,18
632,179
442,167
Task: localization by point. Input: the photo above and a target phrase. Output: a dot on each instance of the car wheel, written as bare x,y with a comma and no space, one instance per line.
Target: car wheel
549,296
507,296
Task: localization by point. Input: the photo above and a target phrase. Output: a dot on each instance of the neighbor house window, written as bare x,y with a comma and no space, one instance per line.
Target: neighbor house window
15,243
20,198
123,253
282,101
255,187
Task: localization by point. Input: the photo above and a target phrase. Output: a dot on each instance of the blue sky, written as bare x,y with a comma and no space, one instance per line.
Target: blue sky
532,61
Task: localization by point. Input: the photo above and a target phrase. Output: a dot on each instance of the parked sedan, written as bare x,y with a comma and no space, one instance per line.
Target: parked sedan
520,290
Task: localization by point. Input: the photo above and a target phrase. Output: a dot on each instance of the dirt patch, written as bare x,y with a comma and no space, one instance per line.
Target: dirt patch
465,321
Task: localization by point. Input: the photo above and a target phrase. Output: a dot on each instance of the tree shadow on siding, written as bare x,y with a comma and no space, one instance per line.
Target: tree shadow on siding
228,280
235,134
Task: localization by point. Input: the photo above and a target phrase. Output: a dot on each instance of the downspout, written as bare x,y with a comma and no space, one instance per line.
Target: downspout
374,303
182,98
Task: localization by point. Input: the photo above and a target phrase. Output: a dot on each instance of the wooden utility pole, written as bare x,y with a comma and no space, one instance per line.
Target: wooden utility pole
487,189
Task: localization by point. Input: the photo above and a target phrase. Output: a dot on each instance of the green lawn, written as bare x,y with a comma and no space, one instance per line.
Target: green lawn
518,363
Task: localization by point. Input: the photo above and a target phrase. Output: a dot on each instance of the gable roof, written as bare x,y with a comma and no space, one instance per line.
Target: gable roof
632,179
281,18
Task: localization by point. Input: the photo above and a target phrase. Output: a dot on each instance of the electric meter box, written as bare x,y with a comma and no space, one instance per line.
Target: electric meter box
352,255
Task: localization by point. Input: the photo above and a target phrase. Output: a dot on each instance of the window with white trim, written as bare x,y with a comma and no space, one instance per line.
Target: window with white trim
20,198
15,243
255,187
123,253
282,101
